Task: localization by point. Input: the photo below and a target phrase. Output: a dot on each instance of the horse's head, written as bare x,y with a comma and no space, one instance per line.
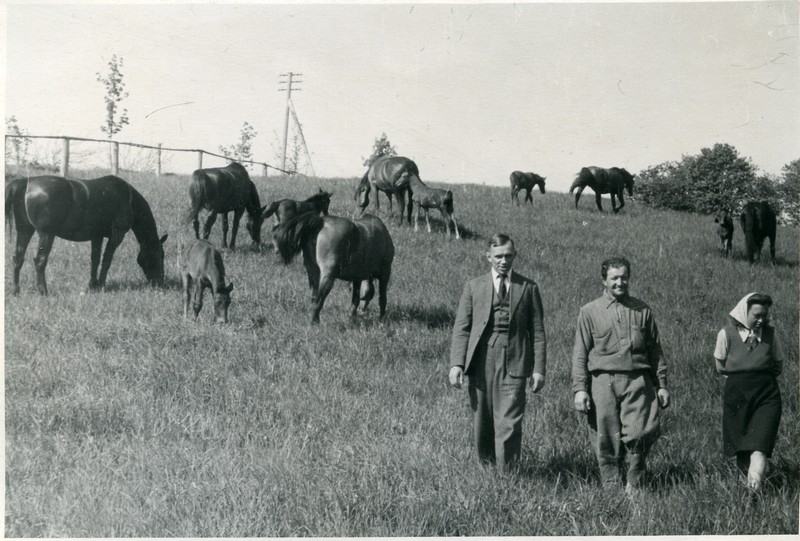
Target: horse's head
628,179
326,202
253,224
361,195
722,216
151,260
222,301
540,182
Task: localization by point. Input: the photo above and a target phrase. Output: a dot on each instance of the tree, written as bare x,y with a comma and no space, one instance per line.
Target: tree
115,93
716,178
243,149
17,150
381,147
789,190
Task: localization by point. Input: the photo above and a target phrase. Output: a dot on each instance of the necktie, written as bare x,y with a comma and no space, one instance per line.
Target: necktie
502,289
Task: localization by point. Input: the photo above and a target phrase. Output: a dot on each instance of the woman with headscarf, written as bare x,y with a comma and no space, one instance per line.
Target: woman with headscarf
749,354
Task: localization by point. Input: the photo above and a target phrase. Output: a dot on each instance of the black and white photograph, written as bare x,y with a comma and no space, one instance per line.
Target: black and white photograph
401,269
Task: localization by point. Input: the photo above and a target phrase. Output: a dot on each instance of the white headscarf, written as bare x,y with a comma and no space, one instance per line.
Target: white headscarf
739,312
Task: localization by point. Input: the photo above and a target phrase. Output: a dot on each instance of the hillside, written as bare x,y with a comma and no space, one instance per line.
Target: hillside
122,419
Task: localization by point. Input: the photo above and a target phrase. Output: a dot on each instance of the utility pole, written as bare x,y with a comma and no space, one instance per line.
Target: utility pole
288,89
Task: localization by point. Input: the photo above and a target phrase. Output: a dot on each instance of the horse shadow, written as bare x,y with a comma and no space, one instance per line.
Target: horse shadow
141,285
434,317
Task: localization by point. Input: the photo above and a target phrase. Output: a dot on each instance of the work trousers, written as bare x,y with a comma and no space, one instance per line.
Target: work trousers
624,422
498,404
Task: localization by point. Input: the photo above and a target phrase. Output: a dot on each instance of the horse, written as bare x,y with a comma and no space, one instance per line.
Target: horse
386,174
611,181
287,208
758,222
357,251
725,231
80,211
525,181
201,267
432,198
222,190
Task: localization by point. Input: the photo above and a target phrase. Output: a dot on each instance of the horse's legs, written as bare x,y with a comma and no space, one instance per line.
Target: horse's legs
312,270
355,299
325,286
402,202
772,247
514,196
416,219
455,224
199,289
210,219
24,236
410,206
111,247
97,248
614,203
383,285
598,198
528,196
621,201
40,259
186,279
237,216
224,229
578,192
428,221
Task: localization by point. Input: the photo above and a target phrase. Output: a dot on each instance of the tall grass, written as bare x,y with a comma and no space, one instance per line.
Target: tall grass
122,419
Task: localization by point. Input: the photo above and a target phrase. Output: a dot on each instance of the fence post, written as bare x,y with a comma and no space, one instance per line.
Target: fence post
64,156
266,170
114,158
158,162
199,159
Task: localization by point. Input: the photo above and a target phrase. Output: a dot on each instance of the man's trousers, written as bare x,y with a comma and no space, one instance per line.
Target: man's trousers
498,404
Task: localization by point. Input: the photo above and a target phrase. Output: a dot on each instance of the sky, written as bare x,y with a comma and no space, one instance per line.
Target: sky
470,91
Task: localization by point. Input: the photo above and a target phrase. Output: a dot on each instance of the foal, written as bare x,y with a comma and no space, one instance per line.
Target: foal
432,198
725,231
201,267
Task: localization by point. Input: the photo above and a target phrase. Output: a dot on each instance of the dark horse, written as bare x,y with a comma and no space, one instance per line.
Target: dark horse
357,251
388,174
287,208
611,181
758,223
525,181
82,210
724,231
222,190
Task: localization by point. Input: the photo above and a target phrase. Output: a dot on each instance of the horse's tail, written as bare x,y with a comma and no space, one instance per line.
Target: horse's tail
578,182
291,235
197,194
14,191
270,210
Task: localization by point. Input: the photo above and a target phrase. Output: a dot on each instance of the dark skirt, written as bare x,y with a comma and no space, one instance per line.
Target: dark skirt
751,412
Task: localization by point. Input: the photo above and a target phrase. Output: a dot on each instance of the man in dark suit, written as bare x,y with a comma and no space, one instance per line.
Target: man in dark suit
499,342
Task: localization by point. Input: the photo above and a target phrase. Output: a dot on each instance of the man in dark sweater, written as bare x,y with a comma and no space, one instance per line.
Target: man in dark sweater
619,376
499,343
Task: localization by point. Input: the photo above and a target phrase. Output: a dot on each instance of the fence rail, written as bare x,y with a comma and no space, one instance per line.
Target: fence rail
115,152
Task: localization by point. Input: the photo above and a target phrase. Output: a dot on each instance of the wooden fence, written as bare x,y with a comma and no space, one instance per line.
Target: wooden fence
115,153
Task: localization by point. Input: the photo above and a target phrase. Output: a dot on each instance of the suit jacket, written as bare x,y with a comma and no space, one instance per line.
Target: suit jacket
527,350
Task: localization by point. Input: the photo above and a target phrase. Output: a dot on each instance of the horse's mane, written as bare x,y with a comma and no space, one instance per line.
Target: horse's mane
292,234
320,196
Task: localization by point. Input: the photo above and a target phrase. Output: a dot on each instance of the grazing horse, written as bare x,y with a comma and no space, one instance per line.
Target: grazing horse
725,231
222,190
201,267
525,181
357,251
432,198
80,211
758,223
611,181
287,208
388,174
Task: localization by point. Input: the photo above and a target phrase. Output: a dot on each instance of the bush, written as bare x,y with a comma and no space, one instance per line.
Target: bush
716,178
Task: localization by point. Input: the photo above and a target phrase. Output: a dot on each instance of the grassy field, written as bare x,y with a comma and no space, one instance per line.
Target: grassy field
122,419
